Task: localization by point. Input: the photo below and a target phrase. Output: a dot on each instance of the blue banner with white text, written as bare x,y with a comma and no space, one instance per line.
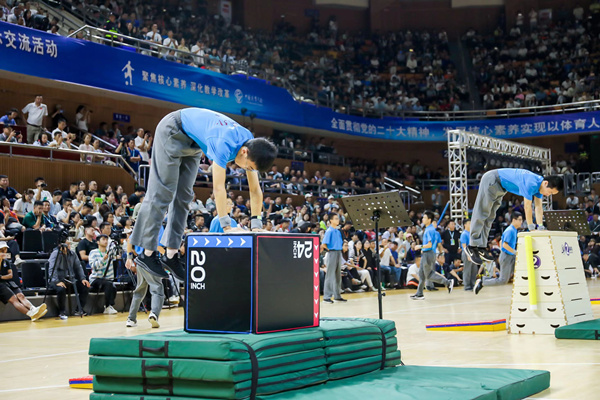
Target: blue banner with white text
44,55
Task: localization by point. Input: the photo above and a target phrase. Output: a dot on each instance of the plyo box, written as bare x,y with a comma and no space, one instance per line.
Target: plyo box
251,282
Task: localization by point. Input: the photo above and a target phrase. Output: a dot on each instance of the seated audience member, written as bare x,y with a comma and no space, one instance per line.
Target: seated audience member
24,205
43,141
48,219
8,119
6,191
412,277
58,142
35,218
136,197
9,135
64,215
86,246
71,194
64,269
387,261
55,206
591,263
103,274
10,291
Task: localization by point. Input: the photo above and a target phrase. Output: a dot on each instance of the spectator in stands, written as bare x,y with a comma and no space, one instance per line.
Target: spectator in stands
86,245
87,146
451,242
10,291
387,261
9,117
572,202
34,219
136,197
64,215
58,116
595,224
48,220
591,263
64,269
83,119
40,192
58,143
103,274
24,204
60,128
9,135
143,143
132,155
7,191
154,37
36,118
43,140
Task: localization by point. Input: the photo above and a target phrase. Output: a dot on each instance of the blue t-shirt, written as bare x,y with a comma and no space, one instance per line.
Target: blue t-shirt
465,238
510,237
215,225
333,239
521,182
219,137
431,236
4,120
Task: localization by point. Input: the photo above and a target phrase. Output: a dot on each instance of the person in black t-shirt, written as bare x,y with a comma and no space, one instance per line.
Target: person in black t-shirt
86,245
591,263
451,243
135,197
10,291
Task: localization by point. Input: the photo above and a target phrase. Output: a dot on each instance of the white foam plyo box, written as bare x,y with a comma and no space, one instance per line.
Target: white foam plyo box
562,293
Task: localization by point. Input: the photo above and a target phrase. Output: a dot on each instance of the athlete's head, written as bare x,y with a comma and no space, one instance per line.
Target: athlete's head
256,154
552,184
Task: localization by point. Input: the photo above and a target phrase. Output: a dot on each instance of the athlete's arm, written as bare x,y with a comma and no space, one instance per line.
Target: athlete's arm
528,213
539,211
256,194
218,174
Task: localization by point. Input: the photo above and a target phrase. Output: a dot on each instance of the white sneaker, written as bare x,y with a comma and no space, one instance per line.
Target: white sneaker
39,312
63,317
19,261
32,311
130,323
153,319
110,310
174,299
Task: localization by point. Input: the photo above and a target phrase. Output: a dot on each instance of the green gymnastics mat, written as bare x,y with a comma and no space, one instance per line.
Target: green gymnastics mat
408,383
219,390
361,366
589,330
206,370
388,327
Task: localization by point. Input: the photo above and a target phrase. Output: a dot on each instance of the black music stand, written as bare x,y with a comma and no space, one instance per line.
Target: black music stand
568,220
384,208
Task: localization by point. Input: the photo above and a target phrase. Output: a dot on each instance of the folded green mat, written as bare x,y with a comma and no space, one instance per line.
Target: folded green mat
346,352
388,327
361,366
206,370
340,332
219,390
180,344
588,330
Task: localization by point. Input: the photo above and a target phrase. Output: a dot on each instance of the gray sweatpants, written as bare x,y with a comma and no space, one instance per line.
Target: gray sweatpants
489,199
427,272
507,268
157,293
469,272
333,277
173,171
33,133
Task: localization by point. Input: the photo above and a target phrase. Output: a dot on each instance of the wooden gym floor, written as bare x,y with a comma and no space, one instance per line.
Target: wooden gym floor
39,358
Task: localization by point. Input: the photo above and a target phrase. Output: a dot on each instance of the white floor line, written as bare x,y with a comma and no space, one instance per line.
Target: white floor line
510,365
33,388
44,356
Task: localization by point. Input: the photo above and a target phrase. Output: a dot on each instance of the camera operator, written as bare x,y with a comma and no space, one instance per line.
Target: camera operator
103,274
10,291
41,193
64,267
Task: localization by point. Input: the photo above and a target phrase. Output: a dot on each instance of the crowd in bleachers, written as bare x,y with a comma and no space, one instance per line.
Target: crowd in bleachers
545,62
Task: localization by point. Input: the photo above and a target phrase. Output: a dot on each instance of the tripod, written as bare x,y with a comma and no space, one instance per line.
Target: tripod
386,208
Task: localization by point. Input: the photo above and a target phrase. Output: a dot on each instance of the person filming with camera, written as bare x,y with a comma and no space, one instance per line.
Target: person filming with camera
103,274
64,271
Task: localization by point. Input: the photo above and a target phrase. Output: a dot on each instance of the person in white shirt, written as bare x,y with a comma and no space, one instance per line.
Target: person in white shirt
142,143
62,125
25,204
83,118
154,37
86,146
39,194
198,50
36,118
572,202
58,142
55,206
169,42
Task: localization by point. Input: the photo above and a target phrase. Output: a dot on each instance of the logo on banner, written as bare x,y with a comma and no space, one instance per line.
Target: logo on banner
197,273
128,69
566,249
302,248
239,96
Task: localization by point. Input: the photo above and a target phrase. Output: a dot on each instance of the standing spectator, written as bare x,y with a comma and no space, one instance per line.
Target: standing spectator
103,274
83,118
333,243
9,117
36,118
132,156
450,241
169,42
142,144
64,269
437,199
154,37
6,191
60,128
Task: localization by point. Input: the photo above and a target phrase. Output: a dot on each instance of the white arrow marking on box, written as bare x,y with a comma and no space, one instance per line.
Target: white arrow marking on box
316,247
316,274
316,258
243,241
316,315
218,242
230,241
206,241
317,287
195,241
316,301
